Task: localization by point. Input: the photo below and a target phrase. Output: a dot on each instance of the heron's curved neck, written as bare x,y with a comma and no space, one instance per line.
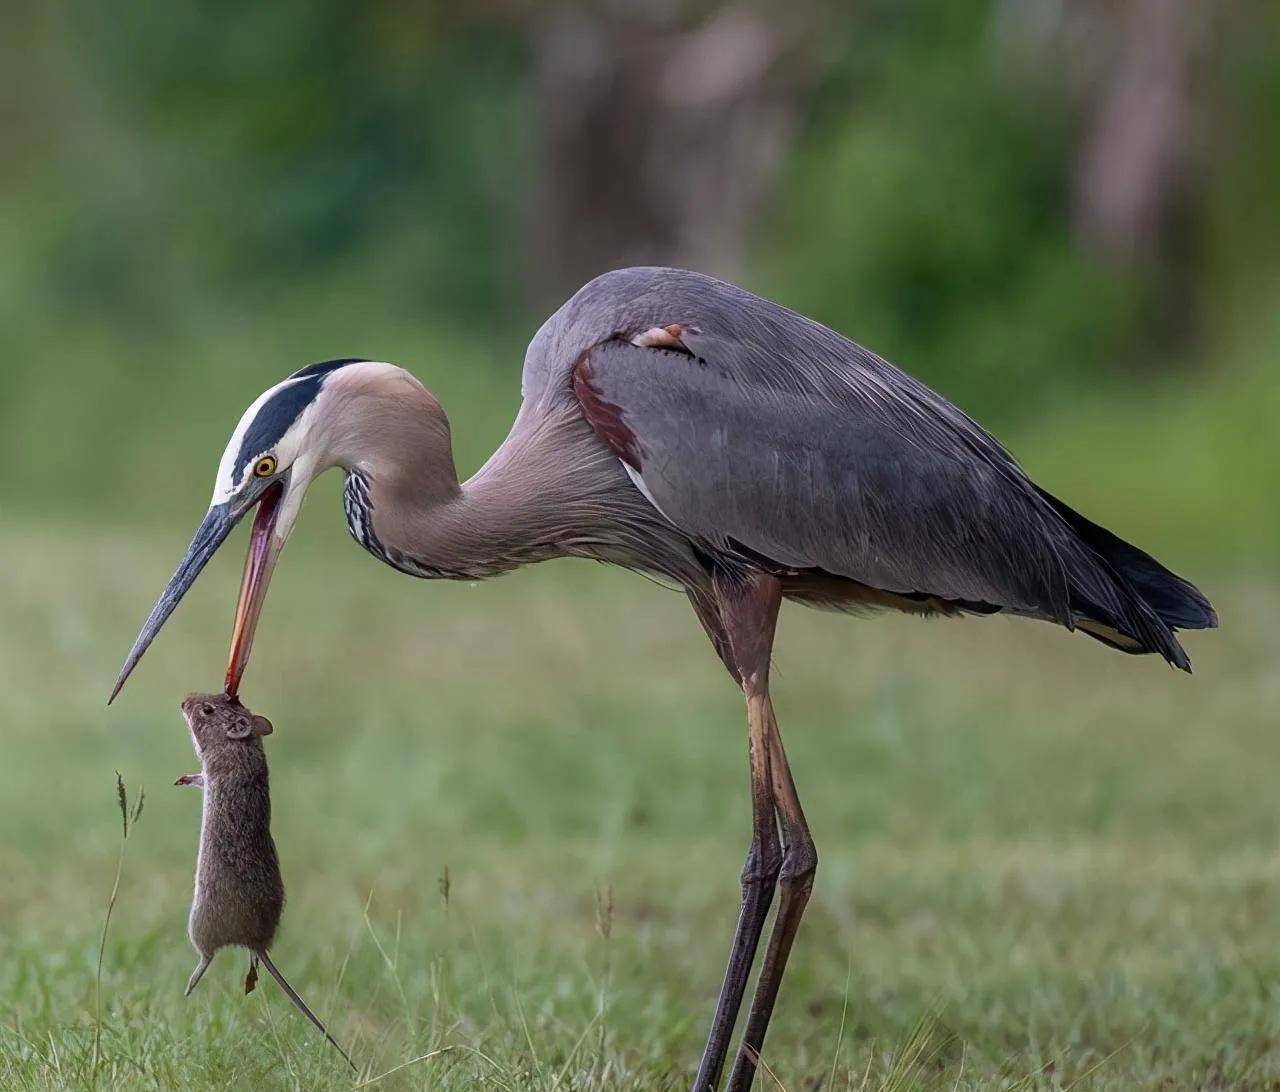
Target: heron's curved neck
407,507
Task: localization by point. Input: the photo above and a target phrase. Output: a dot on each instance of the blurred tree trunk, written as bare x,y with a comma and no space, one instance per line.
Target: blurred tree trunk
661,134
1139,144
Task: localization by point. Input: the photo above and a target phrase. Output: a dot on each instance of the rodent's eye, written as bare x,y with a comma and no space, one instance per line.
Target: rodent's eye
207,709
265,467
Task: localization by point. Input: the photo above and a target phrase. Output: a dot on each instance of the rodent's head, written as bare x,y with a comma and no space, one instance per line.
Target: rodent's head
217,720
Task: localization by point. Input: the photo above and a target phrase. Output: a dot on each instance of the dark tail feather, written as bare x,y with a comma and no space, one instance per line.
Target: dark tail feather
1124,598
1177,602
1130,625
1137,630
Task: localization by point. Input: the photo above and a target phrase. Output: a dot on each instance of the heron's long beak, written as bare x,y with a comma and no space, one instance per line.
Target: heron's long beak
264,550
212,533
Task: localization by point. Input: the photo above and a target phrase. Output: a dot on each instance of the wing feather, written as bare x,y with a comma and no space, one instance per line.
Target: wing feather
831,461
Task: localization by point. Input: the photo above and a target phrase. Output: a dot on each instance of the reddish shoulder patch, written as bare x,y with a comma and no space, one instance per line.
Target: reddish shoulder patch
602,415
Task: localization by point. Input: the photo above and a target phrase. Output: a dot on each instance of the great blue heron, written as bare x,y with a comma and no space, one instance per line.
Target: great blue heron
683,427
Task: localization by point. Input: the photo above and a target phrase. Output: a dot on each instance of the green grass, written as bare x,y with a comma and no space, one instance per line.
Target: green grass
1035,854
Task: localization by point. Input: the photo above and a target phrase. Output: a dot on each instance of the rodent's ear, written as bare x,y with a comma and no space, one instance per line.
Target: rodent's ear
239,728
261,725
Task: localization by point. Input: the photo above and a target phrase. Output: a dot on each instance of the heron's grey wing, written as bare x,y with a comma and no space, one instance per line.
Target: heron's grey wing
800,447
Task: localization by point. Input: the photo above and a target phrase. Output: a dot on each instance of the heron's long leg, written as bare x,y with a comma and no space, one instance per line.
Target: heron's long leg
740,623
799,863
759,877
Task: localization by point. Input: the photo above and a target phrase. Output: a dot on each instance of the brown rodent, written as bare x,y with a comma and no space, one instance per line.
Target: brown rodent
239,891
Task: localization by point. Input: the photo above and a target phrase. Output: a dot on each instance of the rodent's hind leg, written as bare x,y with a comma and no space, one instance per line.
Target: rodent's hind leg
198,973
251,979
194,780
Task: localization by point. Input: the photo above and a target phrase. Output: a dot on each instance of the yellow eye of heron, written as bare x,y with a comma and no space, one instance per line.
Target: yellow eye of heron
265,467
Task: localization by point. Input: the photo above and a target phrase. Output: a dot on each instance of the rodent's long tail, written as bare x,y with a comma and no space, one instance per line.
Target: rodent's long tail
302,1005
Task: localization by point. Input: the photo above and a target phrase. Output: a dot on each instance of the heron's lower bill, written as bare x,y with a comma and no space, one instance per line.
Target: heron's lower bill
259,564
264,548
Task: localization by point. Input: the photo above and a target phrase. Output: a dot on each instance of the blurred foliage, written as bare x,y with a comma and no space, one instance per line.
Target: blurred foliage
930,218
928,211
199,198
204,148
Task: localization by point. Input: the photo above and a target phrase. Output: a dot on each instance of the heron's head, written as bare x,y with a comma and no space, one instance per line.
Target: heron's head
315,419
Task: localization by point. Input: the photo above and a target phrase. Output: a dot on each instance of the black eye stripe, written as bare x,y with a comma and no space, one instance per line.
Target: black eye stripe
273,419
281,410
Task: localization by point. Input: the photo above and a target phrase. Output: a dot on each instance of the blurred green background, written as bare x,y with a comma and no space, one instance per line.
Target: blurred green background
1062,216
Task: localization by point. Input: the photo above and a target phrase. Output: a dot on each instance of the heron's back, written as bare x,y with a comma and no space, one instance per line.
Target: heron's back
774,442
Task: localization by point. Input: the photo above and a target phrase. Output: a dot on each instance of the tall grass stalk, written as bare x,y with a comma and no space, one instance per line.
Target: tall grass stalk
128,820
